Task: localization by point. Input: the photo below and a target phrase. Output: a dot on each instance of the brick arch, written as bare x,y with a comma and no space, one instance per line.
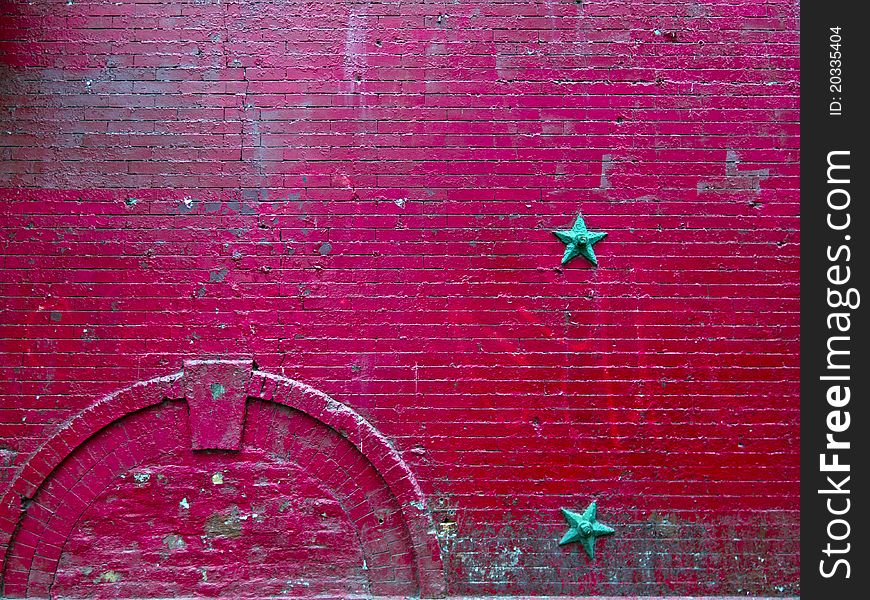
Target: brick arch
218,394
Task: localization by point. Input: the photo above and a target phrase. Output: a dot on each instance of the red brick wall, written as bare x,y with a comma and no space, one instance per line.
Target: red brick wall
360,196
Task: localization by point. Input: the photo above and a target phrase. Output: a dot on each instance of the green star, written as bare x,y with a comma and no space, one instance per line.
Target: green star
584,529
579,241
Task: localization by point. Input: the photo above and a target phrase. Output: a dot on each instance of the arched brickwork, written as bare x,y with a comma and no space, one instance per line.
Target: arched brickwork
284,418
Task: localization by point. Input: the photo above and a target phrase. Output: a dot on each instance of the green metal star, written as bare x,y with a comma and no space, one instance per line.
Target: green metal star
579,241
584,529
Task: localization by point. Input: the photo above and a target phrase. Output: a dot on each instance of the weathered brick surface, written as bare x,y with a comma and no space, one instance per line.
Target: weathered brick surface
359,196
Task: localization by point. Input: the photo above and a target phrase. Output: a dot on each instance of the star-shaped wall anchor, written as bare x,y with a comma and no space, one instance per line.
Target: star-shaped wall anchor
584,528
579,241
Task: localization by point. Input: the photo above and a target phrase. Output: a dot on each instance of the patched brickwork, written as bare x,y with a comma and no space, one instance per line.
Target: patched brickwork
361,197
283,535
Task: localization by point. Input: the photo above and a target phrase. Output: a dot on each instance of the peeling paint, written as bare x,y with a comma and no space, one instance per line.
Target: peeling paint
142,477
109,577
223,524
217,390
174,542
606,165
217,276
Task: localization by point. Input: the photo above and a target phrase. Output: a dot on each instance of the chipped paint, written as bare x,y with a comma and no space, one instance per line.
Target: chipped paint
217,390
217,276
227,524
606,165
109,577
174,542
142,477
